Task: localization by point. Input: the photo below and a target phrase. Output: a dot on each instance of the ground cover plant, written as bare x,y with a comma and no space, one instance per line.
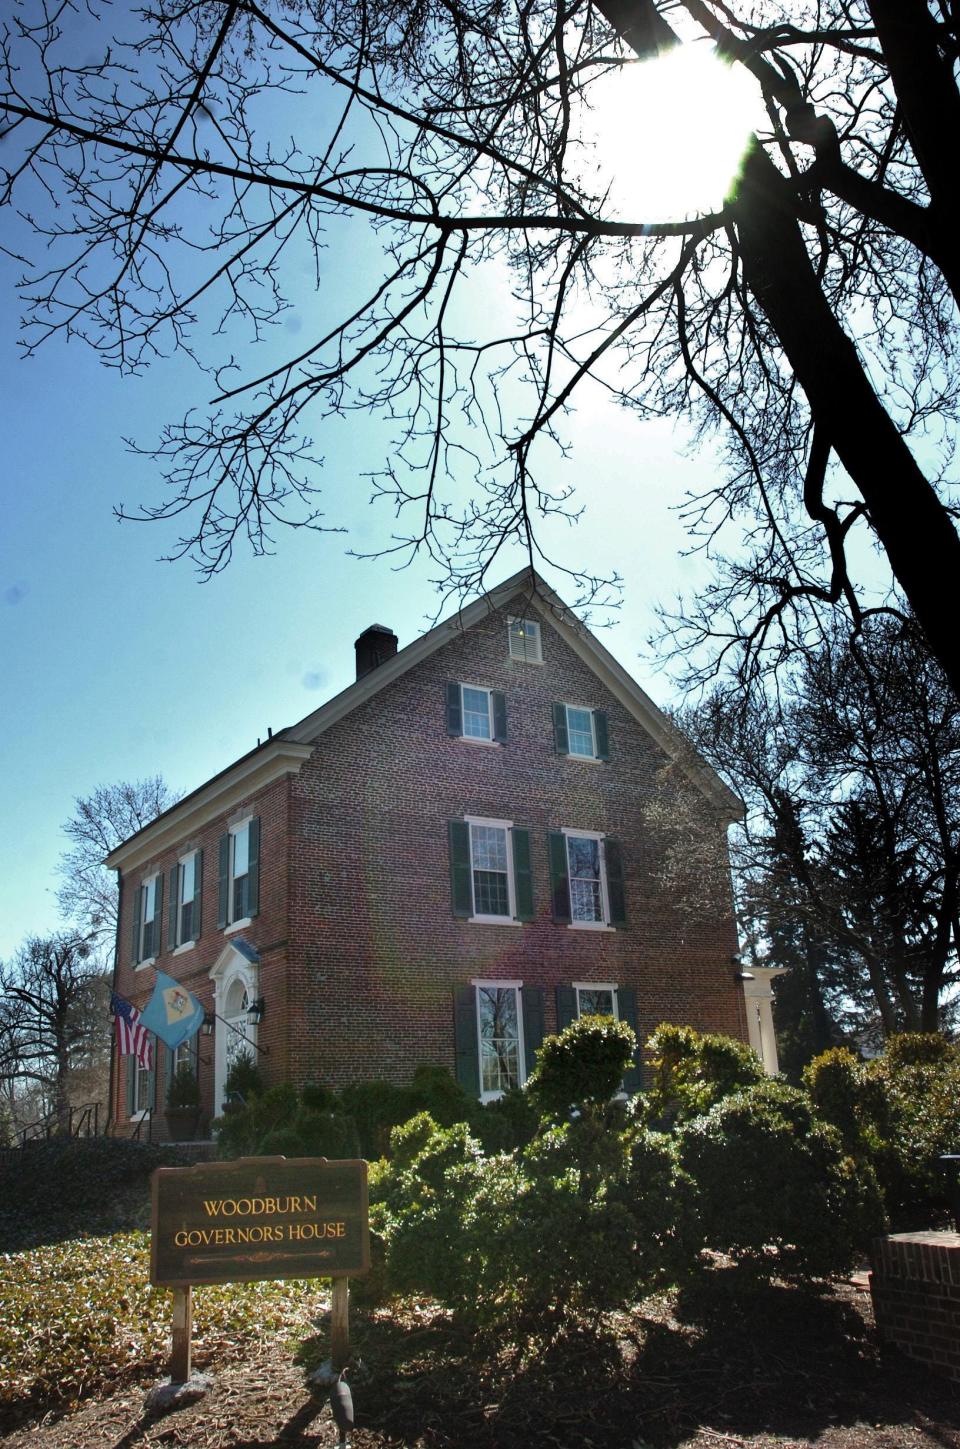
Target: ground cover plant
79,1317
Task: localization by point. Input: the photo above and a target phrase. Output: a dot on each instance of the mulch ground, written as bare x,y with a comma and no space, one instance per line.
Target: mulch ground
785,1371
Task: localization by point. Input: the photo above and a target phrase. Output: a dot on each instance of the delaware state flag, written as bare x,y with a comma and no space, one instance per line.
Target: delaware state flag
172,1013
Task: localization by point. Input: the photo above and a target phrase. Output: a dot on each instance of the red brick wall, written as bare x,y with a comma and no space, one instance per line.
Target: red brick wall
358,974
915,1286
374,948
266,932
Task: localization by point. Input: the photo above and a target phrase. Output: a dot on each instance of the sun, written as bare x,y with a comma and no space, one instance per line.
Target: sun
666,137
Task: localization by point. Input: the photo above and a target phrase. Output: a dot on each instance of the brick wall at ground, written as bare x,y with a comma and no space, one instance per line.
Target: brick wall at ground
915,1286
375,950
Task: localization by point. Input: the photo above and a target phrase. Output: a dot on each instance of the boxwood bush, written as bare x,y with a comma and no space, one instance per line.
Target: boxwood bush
898,1113
775,1188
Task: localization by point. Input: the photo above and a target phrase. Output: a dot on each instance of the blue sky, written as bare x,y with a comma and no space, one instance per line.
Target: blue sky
118,666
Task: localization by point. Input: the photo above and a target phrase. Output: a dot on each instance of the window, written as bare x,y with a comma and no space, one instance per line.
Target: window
239,873
140,1089
593,1000
490,870
147,905
586,877
580,732
185,1055
498,1030
587,887
185,882
524,640
500,1043
476,713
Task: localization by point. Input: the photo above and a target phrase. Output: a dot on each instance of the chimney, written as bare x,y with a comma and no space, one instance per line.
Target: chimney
374,647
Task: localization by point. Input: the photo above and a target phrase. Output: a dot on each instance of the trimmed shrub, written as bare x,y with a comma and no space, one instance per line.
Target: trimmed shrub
506,1124
581,1067
899,1112
692,1071
775,1189
521,1242
280,1123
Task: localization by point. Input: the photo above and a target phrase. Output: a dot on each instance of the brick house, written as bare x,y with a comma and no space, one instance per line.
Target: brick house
442,863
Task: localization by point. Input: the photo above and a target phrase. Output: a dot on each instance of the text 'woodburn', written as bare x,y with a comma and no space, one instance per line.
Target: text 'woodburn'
259,1218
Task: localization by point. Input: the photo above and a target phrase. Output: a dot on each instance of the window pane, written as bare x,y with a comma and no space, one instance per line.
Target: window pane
586,898
491,896
142,1091
595,1001
489,847
241,851
149,899
476,713
580,732
187,869
499,1038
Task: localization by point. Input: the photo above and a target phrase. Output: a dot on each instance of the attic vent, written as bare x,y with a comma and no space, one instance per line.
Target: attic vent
524,637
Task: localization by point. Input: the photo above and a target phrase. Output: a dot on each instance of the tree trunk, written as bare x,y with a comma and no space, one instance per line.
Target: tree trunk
909,520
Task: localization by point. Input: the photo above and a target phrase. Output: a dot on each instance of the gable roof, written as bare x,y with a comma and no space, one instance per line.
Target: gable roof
288,748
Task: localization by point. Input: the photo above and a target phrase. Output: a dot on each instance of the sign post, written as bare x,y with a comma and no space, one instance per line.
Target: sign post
257,1218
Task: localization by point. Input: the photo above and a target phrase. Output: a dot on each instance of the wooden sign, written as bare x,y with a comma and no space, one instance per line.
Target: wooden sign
259,1217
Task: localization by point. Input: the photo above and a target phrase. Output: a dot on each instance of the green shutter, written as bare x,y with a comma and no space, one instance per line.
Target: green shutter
223,880
532,998
627,1007
559,885
560,741
197,895
461,885
601,734
173,908
131,1082
454,711
466,1046
499,715
168,1062
137,909
152,1080
253,869
157,914
566,1006
522,874
616,894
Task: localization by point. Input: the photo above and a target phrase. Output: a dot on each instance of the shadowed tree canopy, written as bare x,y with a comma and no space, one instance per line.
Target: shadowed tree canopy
850,864
181,174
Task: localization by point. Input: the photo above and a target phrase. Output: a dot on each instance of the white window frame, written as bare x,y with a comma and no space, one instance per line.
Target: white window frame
478,918
236,923
579,986
184,944
477,739
144,887
141,1077
183,1056
515,987
526,655
577,754
600,837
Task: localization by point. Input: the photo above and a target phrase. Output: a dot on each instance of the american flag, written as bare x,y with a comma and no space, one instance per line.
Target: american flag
133,1040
